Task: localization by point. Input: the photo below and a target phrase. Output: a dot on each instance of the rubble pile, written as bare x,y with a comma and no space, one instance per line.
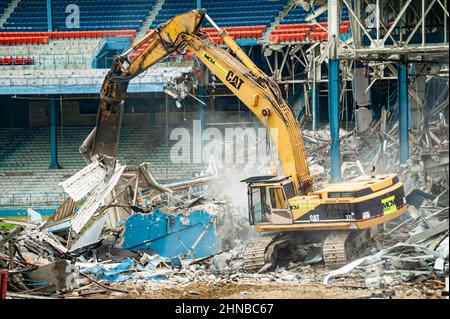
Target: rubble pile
414,249
377,150
132,235
423,254
42,264
26,249
413,254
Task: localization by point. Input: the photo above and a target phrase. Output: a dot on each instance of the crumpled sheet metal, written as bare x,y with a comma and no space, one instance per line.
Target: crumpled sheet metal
94,201
171,235
118,273
375,258
91,235
61,215
81,183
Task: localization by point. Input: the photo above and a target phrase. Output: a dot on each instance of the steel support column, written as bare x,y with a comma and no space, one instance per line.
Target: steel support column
49,16
334,90
53,135
402,83
333,114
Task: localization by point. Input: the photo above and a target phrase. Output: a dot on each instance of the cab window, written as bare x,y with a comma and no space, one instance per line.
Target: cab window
277,198
257,206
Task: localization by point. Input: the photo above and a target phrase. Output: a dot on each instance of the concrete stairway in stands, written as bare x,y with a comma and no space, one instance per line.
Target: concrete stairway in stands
9,9
273,25
148,21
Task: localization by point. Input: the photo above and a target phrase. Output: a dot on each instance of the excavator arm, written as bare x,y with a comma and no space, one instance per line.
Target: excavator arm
102,143
264,100
254,88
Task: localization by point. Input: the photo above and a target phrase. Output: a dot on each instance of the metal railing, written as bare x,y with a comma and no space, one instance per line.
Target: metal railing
69,80
51,61
27,199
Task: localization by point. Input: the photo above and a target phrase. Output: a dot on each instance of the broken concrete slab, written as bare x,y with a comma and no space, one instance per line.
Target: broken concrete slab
402,248
34,216
59,275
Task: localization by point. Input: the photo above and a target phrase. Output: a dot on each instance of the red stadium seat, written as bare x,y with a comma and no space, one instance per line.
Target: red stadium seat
16,60
343,28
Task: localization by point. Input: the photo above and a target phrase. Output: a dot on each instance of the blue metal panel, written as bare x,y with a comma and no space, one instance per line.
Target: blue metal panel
58,227
169,236
246,42
108,49
403,111
333,112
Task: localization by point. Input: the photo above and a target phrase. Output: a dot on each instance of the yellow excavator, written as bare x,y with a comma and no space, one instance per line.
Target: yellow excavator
285,207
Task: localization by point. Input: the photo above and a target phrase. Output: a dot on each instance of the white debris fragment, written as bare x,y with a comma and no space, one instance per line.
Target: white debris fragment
94,201
83,182
34,216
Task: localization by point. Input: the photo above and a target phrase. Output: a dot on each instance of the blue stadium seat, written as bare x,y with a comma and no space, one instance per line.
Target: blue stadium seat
3,5
31,15
226,13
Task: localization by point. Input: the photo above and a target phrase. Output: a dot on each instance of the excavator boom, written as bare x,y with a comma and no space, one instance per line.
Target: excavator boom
255,89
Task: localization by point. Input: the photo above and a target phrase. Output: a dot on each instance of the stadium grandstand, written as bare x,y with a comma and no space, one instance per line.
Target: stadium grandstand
54,55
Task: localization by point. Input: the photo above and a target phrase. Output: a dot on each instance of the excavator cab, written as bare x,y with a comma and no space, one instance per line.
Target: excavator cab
268,198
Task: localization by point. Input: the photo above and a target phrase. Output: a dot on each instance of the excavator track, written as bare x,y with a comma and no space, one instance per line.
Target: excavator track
334,249
255,253
266,250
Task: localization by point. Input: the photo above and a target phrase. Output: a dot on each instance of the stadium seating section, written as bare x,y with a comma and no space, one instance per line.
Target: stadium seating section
293,27
17,146
3,5
11,38
237,32
226,13
94,15
298,15
252,32
55,49
27,24
304,32
57,54
26,47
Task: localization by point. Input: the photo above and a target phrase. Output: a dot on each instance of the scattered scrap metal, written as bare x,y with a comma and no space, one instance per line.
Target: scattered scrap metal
81,250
